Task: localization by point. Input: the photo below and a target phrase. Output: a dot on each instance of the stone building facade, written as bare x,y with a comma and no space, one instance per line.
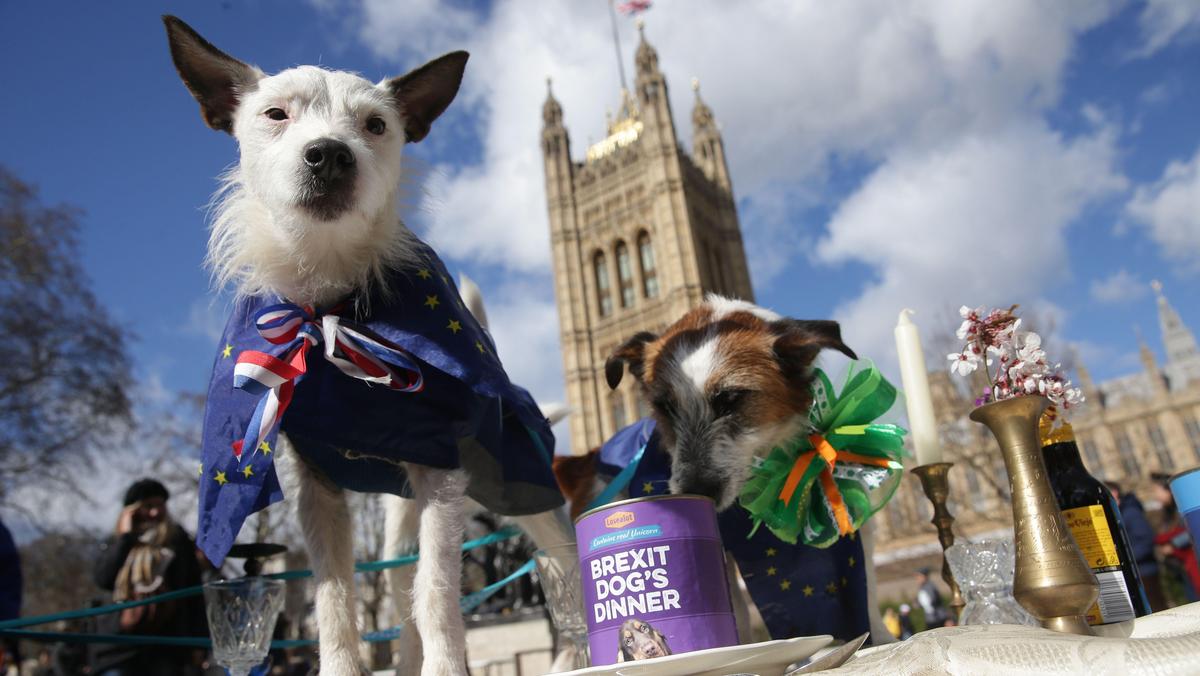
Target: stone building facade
640,230
1129,427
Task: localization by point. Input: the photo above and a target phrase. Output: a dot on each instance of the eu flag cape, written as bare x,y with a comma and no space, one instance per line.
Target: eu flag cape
799,590
406,375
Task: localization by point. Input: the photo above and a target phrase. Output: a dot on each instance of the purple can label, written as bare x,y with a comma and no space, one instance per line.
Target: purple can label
654,579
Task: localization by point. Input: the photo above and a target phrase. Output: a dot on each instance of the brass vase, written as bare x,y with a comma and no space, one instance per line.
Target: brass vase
1052,579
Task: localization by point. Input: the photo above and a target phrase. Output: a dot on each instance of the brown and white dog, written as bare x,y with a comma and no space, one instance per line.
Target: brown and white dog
639,640
726,382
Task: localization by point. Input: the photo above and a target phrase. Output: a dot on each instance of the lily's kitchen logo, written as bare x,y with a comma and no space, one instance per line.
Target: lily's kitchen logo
618,519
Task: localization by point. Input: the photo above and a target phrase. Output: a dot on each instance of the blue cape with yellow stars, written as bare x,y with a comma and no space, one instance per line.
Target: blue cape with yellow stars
462,410
799,590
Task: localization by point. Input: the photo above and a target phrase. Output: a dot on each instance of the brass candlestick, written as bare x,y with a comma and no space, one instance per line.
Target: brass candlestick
1052,581
935,482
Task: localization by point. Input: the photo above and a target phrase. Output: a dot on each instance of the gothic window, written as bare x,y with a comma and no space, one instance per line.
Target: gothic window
1192,424
603,292
616,402
1095,465
625,270
649,271
643,408
1125,450
1160,446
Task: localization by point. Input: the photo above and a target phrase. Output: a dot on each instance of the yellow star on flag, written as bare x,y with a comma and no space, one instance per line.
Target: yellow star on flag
808,590
771,571
647,487
220,478
432,302
479,346
265,448
831,587
852,561
247,472
455,326
225,353
845,582
424,274
770,551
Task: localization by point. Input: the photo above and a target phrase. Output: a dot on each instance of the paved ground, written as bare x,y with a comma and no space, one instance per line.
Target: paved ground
510,649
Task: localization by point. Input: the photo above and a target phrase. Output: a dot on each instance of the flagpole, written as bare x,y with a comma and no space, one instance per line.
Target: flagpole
612,14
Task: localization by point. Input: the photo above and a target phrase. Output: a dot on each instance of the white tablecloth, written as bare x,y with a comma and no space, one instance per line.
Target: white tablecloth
1160,644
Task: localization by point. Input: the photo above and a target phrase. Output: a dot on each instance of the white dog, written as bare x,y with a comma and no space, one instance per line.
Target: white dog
308,216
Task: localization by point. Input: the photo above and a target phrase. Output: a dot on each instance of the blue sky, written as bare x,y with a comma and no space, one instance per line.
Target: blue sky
884,154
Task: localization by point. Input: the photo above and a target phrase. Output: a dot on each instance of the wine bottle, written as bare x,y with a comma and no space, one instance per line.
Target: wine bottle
1094,519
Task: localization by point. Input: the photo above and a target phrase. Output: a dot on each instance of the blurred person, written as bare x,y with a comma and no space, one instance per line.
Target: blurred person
45,664
10,594
930,600
149,554
906,624
1173,542
1141,541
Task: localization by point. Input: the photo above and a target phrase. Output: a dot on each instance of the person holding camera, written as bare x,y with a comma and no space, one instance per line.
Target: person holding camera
149,554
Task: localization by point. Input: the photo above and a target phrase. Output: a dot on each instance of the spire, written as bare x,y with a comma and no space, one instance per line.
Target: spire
1091,394
1183,359
1149,362
1178,341
647,56
551,110
702,115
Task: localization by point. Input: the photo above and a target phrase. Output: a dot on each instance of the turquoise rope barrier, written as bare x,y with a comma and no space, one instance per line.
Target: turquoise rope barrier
467,603
502,534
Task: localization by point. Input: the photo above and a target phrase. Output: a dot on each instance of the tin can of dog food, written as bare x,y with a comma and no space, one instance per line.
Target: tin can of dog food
654,578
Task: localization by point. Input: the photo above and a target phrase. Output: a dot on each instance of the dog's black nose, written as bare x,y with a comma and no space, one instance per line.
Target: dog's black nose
699,484
328,159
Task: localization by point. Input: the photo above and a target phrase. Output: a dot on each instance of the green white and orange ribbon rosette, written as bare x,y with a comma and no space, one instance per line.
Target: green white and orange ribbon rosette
826,482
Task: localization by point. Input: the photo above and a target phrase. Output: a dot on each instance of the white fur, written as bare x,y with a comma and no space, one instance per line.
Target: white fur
698,365
263,240
267,239
722,306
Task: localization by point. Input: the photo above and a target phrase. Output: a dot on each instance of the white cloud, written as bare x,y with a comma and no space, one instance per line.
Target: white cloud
977,221
942,101
1161,21
1119,287
206,318
1169,209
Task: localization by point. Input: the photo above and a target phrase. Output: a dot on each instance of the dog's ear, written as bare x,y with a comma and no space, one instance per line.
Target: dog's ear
799,341
632,352
214,78
424,93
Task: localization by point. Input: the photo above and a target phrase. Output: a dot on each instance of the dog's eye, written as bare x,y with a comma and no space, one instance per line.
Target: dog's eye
376,126
726,402
277,114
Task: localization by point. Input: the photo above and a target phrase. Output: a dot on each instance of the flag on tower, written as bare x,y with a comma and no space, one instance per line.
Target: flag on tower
633,7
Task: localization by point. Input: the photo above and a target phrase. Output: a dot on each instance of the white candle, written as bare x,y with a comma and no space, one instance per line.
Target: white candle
921,423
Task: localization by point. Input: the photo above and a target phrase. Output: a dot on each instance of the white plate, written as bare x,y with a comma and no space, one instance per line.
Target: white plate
769,658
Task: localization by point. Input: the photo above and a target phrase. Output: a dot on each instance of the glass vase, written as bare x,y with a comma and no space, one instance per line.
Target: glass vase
241,619
558,569
984,571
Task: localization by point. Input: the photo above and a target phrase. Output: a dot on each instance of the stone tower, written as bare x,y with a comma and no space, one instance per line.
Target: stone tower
640,232
1183,359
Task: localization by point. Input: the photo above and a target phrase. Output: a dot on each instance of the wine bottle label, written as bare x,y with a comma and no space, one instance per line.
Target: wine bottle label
1090,530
